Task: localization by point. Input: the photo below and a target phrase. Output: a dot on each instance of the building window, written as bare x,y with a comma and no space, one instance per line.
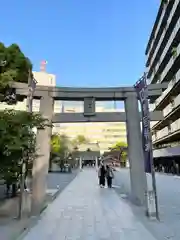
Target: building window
51,80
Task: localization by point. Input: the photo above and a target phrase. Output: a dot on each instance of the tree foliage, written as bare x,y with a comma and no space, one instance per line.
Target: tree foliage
17,142
15,67
119,145
60,147
122,148
17,139
80,139
55,143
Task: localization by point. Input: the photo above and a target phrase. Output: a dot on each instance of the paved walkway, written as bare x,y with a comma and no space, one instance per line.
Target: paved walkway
83,211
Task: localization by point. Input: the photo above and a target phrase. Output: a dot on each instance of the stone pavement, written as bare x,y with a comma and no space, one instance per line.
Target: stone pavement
169,205
84,211
10,227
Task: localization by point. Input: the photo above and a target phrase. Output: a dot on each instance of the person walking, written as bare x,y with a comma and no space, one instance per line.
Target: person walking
102,175
109,176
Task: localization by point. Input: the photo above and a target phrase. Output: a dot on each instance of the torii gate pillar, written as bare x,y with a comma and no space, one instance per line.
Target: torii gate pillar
135,151
41,163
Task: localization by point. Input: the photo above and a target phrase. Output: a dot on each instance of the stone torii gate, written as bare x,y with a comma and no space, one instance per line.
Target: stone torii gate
131,116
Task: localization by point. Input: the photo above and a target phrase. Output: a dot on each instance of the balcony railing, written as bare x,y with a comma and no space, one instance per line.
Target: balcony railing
164,73
170,63
177,101
157,29
167,47
175,29
174,32
168,89
175,126
169,108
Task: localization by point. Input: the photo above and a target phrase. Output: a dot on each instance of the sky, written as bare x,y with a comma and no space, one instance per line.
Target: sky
92,43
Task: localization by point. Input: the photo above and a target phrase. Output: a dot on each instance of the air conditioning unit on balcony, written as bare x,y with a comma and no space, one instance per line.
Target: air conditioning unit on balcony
169,128
173,81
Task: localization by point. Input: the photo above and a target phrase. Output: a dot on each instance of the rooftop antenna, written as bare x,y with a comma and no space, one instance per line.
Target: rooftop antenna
43,66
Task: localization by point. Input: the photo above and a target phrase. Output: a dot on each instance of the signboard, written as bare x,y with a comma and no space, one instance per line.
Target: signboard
142,91
89,106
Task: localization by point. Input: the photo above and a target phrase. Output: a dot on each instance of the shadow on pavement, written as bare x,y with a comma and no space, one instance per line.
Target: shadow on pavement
10,227
169,204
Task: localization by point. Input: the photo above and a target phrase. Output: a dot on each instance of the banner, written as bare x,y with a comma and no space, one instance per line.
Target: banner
142,92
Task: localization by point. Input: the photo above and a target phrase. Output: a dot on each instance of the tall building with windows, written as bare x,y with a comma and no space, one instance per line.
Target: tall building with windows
105,134
163,65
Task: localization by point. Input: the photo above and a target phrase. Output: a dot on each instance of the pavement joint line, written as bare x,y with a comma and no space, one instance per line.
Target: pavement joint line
85,204
24,232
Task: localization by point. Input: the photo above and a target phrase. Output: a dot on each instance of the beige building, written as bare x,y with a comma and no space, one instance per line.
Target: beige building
104,133
45,79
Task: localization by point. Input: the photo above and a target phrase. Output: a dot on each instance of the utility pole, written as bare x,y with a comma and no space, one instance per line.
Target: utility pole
29,104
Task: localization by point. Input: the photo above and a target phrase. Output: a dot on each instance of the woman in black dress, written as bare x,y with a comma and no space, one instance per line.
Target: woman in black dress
102,175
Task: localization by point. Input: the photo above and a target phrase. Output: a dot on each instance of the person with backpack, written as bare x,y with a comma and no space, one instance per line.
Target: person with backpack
109,176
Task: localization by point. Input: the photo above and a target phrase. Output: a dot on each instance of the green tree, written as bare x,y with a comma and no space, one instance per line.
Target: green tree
122,148
55,144
17,66
119,145
80,139
17,140
60,149
17,143
59,144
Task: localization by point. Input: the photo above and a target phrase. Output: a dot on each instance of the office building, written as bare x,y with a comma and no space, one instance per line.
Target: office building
163,65
105,134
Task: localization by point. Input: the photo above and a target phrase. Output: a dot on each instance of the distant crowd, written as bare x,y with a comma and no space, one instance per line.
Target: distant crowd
171,167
